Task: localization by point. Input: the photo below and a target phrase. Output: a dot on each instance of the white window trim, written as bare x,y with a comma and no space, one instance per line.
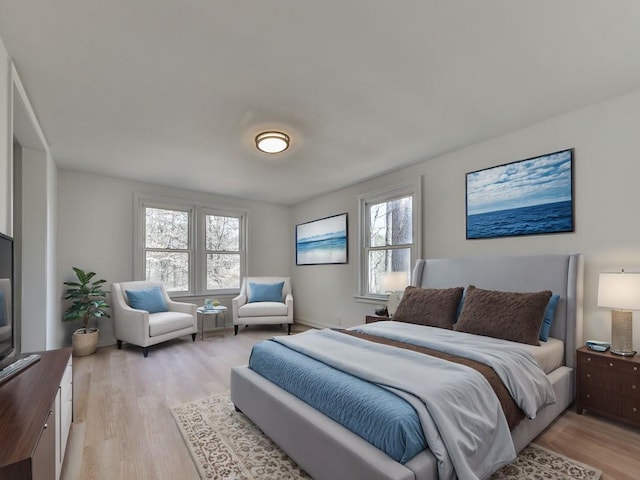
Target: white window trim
201,286
197,261
413,188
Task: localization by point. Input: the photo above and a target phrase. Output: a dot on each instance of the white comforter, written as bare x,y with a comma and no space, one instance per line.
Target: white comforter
461,417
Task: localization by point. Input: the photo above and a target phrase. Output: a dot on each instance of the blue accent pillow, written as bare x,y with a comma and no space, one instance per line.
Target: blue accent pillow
460,305
149,299
265,292
549,313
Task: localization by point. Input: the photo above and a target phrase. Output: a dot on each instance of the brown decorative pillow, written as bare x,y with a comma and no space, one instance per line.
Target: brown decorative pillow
433,307
507,315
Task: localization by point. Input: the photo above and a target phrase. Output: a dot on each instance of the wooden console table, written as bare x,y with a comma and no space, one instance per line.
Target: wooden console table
35,417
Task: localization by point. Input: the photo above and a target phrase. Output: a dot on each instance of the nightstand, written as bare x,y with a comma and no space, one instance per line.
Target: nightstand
375,318
609,385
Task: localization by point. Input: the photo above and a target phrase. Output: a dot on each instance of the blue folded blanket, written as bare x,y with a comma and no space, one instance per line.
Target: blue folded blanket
372,412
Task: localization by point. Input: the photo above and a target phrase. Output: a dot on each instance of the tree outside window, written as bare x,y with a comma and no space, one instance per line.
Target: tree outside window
166,247
223,252
192,249
390,240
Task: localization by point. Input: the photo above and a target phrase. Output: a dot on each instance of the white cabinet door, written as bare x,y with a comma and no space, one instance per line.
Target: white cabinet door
64,409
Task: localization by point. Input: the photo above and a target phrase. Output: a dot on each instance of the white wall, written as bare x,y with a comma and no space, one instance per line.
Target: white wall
606,174
95,232
6,182
33,201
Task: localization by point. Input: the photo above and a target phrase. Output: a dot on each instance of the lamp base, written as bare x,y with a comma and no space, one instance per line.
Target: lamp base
393,301
621,333
624,354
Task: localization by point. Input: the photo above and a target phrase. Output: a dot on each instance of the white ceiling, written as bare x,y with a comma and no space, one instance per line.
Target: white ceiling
173,91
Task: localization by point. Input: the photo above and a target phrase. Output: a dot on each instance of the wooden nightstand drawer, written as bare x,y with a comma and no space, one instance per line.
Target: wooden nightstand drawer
596,377
608,385
375,318
630,368
629,385
601,400
598,361
631,409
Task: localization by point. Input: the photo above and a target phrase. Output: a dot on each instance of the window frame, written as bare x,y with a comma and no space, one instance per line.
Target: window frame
242,250
413,189
197,248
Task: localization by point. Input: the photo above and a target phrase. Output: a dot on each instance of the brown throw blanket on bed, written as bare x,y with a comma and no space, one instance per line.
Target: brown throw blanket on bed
512,412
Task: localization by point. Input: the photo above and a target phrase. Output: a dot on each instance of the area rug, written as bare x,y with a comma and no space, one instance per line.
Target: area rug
226,445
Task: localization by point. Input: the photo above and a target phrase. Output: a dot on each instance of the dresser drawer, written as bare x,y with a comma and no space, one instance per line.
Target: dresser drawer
599,361
591,376
631,409
629,385
601,400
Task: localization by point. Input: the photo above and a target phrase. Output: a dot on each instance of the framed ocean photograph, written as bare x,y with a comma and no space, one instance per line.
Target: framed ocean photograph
527,197
322,241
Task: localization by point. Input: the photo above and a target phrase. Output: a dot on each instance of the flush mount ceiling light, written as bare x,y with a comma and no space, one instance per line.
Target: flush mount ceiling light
272,142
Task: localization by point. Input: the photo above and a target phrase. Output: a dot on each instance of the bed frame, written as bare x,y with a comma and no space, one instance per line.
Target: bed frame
326,450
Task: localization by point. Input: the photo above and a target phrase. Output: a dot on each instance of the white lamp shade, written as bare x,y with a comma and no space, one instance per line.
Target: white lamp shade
395,281
619,290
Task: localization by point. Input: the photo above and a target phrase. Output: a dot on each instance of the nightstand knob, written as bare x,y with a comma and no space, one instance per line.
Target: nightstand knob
588,375
635,369
588,359
588,395
635,409
611,364
633,387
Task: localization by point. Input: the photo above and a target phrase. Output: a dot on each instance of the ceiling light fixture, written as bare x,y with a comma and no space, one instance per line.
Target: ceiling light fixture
272,142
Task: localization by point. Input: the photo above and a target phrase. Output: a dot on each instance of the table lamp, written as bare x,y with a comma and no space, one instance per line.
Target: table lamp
621,293
394,284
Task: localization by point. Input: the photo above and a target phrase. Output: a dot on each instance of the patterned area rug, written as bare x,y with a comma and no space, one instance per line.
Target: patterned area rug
226,445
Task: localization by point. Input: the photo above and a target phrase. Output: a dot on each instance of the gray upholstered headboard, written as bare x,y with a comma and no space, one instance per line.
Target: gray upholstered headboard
562,274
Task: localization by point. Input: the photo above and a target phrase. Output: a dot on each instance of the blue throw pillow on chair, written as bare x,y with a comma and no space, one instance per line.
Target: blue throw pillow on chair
265,292
149,299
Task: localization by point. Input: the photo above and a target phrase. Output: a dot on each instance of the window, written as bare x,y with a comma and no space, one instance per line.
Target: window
222,249
167,250
390,231
192,249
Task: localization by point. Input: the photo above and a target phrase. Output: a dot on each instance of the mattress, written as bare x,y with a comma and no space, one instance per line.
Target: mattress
549,355
362,407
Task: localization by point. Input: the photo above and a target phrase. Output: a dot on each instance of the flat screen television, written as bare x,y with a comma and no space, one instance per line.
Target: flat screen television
6,296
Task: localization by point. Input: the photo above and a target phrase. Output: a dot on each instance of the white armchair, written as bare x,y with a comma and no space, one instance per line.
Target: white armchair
144,329
248,311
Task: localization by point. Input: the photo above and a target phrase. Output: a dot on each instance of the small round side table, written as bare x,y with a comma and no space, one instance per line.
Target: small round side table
203,312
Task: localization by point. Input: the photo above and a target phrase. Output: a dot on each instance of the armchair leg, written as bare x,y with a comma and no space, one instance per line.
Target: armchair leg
235,329
119,343
193,337
145,351
288,329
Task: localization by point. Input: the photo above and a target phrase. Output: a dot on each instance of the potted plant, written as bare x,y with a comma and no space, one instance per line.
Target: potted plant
88,302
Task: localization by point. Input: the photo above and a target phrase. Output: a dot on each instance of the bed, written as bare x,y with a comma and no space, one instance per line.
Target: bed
327,450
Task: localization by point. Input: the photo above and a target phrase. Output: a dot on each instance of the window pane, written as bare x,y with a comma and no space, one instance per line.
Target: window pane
222,233
171,268
383,261
166,229
223,270
391,223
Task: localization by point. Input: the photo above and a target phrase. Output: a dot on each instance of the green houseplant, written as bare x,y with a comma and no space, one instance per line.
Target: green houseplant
88,301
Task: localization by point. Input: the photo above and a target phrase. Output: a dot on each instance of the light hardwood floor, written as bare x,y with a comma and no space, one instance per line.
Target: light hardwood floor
123,429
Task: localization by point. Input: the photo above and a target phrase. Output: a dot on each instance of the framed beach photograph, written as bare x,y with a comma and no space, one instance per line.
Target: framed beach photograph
527,197
322,241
